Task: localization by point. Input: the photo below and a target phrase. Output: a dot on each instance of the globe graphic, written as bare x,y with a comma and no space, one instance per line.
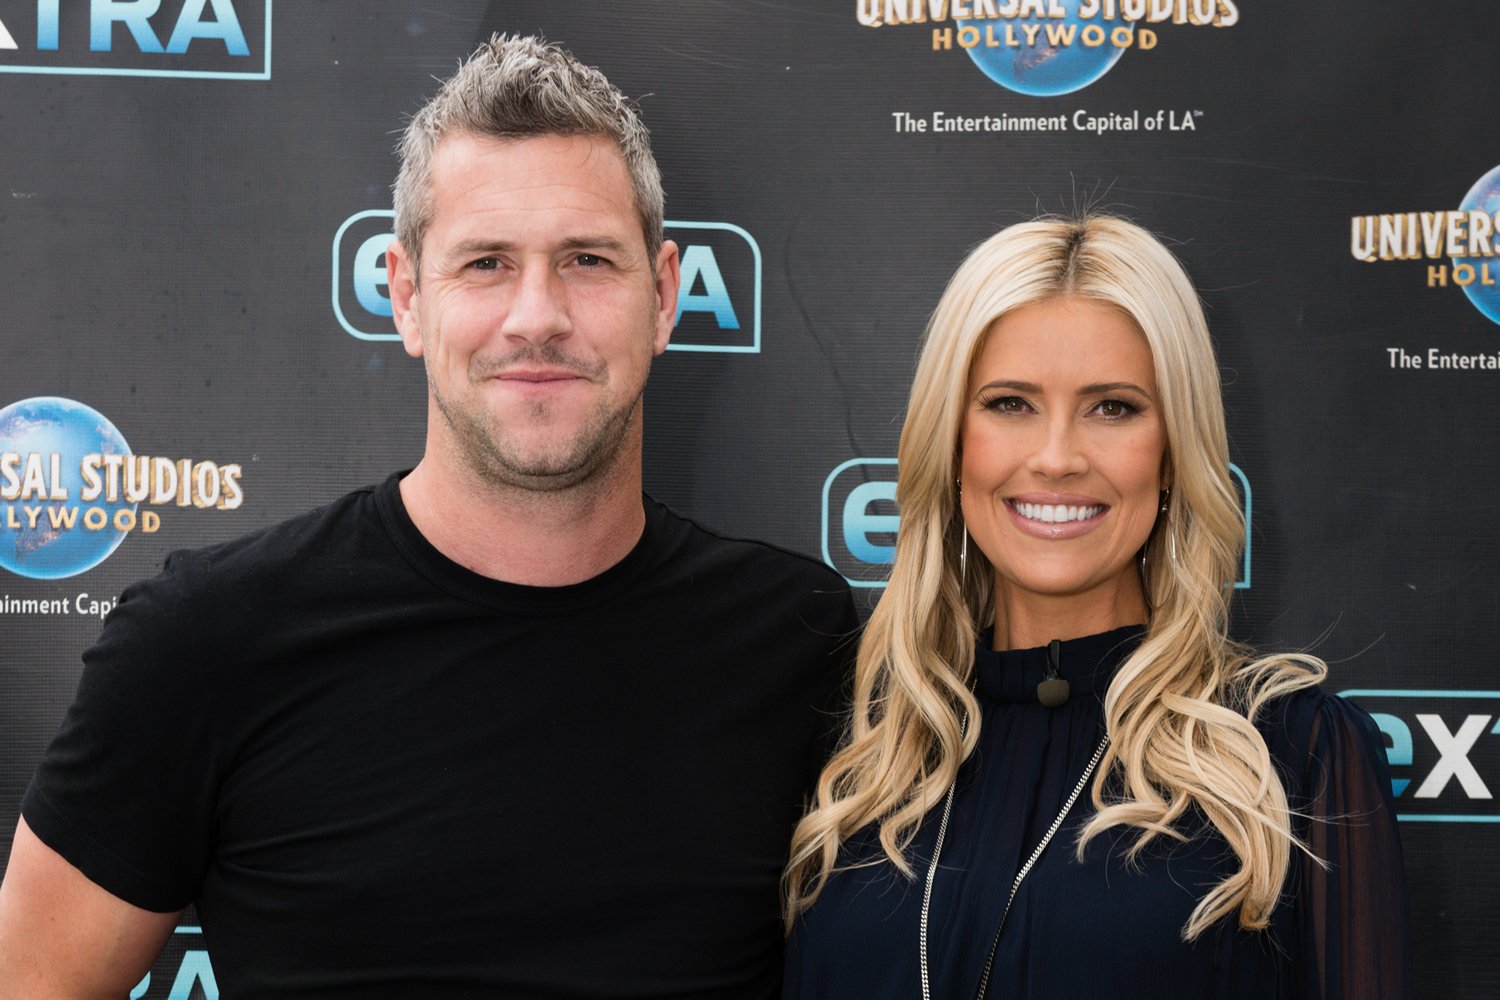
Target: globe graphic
1484,196
46,425
1043,70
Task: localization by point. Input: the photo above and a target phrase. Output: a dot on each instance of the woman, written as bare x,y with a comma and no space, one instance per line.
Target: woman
1103,796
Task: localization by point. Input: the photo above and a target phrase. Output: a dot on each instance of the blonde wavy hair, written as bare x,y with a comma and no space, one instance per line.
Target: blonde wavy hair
1180,710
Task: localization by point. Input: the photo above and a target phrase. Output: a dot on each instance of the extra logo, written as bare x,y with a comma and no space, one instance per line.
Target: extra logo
206,39
1466,239
1444,751
181,972
860,521
71,490
718,307
1045,47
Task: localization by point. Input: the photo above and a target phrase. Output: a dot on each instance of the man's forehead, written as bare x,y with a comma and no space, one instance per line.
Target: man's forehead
573,188
585,151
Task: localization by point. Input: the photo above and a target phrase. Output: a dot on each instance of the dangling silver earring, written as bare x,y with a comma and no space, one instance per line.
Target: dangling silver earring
963,545
1166,499
963,555
1146,583
1162,509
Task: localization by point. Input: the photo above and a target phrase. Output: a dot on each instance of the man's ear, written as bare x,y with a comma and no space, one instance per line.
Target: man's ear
668,281
401,279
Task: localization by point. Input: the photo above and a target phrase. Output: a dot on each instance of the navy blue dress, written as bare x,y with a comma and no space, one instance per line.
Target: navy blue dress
1101,927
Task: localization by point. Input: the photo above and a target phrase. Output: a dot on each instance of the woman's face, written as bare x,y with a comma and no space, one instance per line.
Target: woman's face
1062,448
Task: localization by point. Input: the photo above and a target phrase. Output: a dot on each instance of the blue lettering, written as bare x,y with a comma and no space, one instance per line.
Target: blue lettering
190,25
46,24
699,261
860,524
135,14
1399,752
195,969
141,988
370,276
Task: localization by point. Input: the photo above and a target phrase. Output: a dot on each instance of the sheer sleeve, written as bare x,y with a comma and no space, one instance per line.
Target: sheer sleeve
1351,912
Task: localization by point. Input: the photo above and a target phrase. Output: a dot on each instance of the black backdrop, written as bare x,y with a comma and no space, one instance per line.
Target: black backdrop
175,256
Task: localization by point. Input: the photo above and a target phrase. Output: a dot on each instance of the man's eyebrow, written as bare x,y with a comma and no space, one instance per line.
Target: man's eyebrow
467,248
594,243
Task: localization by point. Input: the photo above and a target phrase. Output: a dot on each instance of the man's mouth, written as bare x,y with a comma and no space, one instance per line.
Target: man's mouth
536,375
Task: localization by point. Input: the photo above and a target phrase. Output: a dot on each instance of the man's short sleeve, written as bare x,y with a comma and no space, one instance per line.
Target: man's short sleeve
126,791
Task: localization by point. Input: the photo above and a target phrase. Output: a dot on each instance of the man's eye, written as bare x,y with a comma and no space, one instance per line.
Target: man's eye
485,264
589,260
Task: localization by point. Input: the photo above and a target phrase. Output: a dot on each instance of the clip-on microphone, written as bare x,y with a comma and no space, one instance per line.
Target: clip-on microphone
1054,688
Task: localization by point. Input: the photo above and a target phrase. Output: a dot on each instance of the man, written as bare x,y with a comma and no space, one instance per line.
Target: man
499,727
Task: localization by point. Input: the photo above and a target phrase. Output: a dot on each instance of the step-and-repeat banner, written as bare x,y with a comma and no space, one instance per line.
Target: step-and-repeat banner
194,205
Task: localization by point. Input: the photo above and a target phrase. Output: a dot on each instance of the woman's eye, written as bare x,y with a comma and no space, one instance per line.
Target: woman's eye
1007,404
1115,409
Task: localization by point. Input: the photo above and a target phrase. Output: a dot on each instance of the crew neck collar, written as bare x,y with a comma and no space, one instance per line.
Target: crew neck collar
1087,663
469,585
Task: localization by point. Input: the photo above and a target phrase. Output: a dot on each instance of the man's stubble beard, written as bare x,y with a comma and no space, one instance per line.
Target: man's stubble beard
487,448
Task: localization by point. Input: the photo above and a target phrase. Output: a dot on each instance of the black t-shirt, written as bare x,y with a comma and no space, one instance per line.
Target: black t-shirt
381,775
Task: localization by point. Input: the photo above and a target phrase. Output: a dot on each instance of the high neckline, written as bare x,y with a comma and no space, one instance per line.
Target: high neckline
1087,663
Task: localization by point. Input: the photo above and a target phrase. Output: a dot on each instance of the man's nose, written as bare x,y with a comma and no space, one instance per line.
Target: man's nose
538,309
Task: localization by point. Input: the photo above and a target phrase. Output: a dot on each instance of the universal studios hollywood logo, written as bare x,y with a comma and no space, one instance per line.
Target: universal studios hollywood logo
1045,48
71,490
1465,239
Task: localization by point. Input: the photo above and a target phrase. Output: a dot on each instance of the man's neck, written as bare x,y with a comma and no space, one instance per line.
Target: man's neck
539,539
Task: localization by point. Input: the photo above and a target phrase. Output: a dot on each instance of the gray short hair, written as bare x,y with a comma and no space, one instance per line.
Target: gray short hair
515,87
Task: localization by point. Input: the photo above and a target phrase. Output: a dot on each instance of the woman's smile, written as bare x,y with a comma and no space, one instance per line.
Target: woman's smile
1065,516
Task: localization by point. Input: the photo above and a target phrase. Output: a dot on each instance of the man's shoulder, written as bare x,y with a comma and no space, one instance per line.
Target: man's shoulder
760,603
302,542
754,560
280,563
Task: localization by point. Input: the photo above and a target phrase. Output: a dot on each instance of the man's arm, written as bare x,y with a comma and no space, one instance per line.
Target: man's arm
64,938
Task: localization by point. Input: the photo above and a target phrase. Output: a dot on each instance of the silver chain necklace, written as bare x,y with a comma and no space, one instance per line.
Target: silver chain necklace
937,851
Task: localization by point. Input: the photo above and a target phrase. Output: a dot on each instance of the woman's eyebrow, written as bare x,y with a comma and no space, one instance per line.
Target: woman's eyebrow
1012,384
1089,390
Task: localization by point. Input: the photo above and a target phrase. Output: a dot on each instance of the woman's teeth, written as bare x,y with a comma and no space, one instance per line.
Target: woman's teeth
1056,513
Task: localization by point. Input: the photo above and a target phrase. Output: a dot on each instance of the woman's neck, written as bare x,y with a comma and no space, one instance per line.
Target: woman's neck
1025,619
